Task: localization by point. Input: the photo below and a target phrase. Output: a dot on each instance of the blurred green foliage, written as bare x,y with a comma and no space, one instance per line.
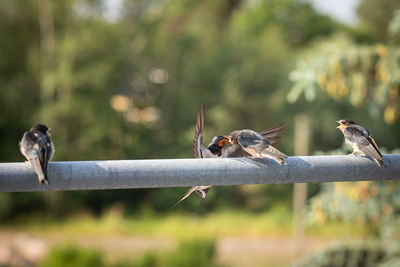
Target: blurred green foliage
351,255
373,206
196,253
72,256
366,77
130,87
375,17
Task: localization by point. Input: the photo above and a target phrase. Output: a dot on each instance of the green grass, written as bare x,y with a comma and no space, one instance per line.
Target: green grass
277,222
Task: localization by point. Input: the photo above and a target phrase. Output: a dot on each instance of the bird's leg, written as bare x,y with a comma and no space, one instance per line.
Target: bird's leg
358,154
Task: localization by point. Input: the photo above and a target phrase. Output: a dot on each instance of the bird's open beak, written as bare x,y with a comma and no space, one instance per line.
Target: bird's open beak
223,141
340,126
229,140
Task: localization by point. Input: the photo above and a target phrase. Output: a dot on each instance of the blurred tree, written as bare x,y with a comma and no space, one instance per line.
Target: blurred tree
394,25
376,15
19,94
365,77
130,87
358,77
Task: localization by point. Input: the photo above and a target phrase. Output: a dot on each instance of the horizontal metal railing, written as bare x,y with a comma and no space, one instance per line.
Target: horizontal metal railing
119,174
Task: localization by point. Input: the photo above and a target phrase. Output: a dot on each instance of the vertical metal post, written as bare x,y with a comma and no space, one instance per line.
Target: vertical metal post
301,144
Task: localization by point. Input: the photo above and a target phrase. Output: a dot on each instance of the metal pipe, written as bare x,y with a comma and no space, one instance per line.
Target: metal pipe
89,175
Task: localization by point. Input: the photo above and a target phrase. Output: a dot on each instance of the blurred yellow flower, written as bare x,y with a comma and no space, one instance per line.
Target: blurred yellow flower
322,78
382,50
391,114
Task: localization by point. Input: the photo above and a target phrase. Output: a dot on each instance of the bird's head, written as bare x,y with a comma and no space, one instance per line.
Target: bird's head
345,123
217,143
233,137
41,128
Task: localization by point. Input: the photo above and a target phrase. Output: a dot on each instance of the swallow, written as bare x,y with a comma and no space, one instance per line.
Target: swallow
201,151
231,150
38,149
360,140
216,148
254,144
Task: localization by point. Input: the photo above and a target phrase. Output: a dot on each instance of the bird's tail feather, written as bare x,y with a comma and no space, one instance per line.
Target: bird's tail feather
37,167
380,163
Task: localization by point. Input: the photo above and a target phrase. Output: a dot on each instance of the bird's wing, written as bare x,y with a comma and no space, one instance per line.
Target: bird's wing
37,167
233,151
373,143
45,152
198,134
251,139
357,134
370,151
362,138
23,145
53,150
252,142
270,150
272,134
31,149
191,190
255,144
274,140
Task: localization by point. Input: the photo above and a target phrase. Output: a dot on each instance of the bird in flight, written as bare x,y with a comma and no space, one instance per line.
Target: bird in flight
216,149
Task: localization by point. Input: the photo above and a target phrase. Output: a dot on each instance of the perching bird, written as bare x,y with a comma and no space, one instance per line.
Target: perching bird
216,147
38,149
200,151
360,140
231,150
254,144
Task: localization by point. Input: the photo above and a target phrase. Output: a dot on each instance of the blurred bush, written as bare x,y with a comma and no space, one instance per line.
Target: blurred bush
195,253
351,255
373,206
72,256
345,256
